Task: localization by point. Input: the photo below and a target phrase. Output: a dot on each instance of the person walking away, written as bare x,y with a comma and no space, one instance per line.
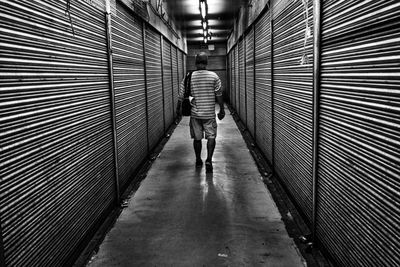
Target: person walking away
205,87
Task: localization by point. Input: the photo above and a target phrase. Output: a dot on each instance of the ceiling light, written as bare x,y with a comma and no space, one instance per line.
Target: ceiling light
203,8
204,25
205,33
205,40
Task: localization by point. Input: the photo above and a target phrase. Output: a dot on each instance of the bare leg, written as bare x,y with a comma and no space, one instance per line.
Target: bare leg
197,148
210,148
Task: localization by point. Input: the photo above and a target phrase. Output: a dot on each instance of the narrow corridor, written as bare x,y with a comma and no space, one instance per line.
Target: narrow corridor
181,216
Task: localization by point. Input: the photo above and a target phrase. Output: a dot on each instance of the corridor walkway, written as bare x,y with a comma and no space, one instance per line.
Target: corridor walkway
181,216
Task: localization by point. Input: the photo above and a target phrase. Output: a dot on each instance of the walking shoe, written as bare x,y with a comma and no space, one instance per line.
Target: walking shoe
199,163
209,167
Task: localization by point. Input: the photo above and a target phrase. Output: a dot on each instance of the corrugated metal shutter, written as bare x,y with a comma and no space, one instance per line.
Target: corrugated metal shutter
167,81
56,138
359,168
184,65
130,92
250,80
263,85
230,65
175,87
154,86
180,67
242,82
293,103
237,82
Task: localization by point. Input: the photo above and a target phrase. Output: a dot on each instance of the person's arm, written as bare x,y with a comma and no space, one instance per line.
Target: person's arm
220,98
221,113
180,98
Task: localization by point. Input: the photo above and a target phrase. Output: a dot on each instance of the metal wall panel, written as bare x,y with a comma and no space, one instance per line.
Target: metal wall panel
250,108
154,86
263,85
130,92
167,81
242,81
175,82
358,214
292,98
56,162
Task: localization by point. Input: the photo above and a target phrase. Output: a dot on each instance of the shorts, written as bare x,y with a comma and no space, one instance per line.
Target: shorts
199,127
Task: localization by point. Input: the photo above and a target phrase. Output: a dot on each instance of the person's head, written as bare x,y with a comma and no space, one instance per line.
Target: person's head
201,60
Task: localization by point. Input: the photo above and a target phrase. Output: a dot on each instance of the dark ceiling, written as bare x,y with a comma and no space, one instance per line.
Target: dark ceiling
220,16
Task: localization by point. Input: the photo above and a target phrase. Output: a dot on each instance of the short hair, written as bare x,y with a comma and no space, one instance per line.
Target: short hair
201,58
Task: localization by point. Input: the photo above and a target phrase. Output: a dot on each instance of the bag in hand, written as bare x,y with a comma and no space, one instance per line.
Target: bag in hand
186,106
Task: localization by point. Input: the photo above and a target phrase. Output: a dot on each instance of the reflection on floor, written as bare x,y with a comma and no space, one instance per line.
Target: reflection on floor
181,216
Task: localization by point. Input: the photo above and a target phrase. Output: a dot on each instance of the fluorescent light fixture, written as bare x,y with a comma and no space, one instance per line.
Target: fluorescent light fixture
205,33
204,25
205,40
203,9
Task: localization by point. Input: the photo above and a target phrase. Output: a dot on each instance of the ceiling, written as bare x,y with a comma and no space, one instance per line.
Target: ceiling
220,16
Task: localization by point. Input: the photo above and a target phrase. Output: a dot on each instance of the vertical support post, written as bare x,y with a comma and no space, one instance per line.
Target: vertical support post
2,257
254,83
272,87
145,85
162,78
245,81
112,99
316,100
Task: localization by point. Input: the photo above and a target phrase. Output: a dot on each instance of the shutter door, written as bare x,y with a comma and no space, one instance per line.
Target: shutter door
242,82
184,65
130,99
250,80
263,85
154,86
293,103
167,81
230,66
237,101
233,81
175,87
180,67
57,172
359,163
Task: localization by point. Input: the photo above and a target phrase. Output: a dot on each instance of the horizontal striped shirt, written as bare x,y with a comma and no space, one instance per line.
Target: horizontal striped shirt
205,85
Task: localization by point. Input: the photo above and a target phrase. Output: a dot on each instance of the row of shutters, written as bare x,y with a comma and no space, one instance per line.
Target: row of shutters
358,168
57,151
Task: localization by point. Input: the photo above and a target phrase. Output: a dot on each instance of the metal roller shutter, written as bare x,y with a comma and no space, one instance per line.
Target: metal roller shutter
57,171
358,214
154,86
232,56
237,94
175,87
230,66
184,65
167,82
250,80
242,81
130,92
180,67
263,85
292,98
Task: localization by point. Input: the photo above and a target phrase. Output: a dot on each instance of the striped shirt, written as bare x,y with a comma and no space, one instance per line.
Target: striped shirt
205,85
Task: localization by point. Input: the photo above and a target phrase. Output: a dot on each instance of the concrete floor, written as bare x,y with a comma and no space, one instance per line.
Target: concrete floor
181,216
